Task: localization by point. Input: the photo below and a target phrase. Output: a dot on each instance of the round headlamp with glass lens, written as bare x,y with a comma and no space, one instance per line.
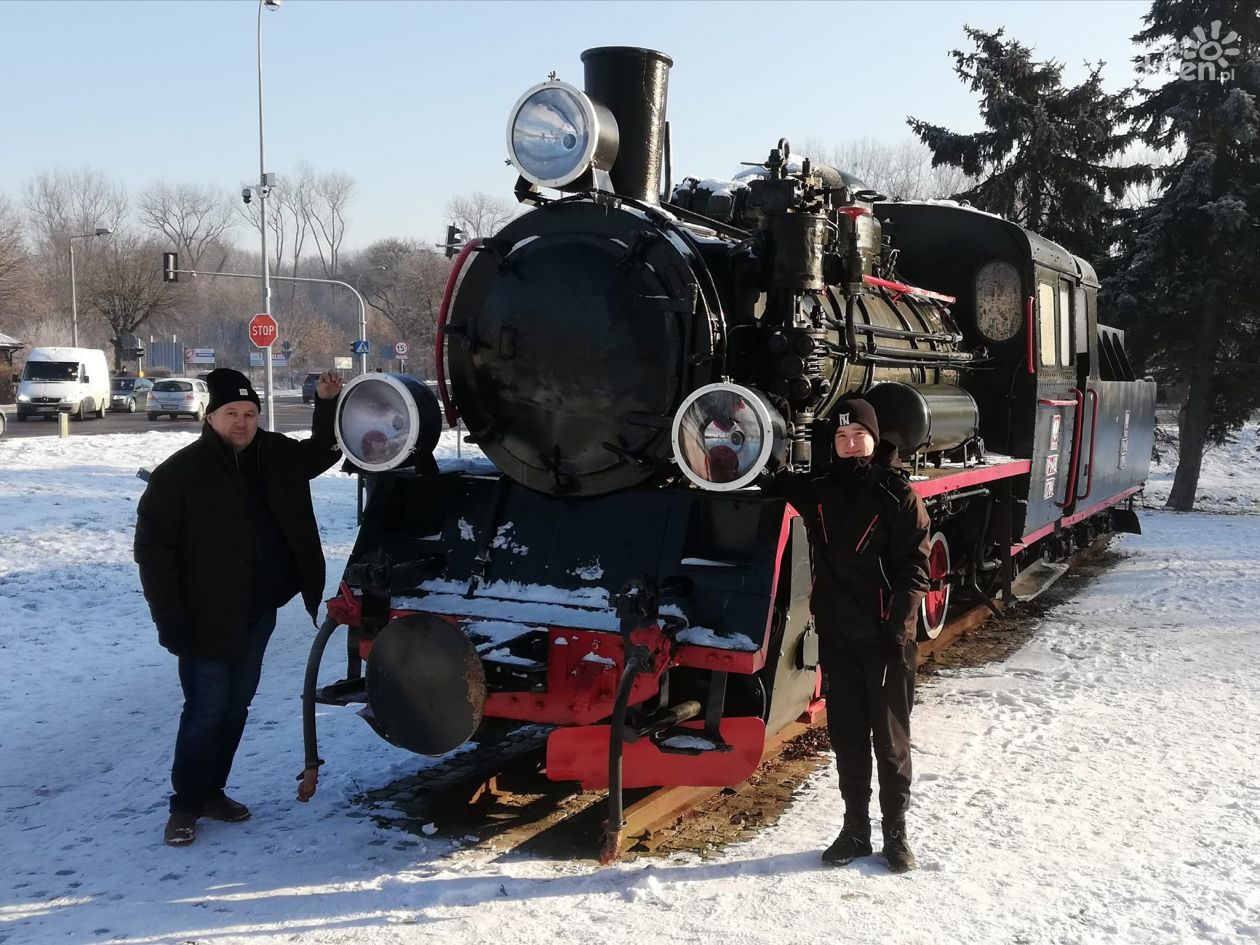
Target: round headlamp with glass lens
556,134
384,420
725,435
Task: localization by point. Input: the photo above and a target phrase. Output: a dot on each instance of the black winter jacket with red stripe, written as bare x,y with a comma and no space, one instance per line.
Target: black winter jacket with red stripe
869,535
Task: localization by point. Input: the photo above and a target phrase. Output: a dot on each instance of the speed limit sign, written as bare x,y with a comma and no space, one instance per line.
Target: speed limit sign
401,349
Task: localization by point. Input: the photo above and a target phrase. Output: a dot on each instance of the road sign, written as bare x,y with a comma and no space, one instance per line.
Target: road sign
263,330
401,349
343,364
199,356
279,359
359,347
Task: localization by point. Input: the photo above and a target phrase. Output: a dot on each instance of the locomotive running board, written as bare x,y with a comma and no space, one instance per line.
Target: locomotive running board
580,754
1037,579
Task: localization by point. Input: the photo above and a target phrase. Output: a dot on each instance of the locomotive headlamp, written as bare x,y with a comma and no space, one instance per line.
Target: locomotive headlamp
724,435
383,420
556,134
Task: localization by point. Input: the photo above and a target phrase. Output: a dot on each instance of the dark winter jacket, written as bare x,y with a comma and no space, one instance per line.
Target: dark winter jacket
221,537
869,535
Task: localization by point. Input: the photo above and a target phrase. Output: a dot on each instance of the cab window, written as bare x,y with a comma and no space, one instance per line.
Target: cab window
1046,323
1065,323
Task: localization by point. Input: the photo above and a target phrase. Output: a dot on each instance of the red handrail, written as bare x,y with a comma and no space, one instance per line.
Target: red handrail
1093,428
904,289
1069,495
439,339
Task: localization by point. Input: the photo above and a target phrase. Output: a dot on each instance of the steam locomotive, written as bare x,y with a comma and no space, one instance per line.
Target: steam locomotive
637,359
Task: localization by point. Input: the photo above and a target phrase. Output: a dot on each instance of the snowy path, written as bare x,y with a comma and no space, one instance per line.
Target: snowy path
1099,787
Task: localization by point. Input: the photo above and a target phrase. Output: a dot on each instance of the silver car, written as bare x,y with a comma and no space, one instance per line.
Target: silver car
127,393
179,397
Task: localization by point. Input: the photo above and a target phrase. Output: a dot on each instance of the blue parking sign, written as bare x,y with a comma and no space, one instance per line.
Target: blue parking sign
359,347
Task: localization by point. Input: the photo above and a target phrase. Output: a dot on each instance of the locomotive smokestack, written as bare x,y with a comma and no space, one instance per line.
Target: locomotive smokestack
633,84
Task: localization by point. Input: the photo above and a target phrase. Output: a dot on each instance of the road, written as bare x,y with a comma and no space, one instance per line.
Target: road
291,416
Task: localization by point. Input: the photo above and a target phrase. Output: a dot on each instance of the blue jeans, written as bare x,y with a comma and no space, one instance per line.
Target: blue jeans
216,704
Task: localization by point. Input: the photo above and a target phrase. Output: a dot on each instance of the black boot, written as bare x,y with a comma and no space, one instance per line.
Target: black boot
896,850
854,841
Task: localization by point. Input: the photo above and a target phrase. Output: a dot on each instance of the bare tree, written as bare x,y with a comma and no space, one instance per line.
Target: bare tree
65,203
315,341
324,210
61,204
193,217
14,258
126,287
901,171
408,290
480,215
287,223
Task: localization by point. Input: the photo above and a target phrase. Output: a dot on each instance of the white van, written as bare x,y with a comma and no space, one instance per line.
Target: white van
64,380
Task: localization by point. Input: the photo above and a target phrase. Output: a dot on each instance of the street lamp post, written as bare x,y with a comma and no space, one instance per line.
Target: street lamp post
264,185
74,292
363,313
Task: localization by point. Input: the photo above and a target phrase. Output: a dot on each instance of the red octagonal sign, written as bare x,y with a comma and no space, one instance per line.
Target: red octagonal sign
263,330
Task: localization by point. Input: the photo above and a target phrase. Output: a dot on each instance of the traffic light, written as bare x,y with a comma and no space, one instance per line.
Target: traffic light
170,267
454,240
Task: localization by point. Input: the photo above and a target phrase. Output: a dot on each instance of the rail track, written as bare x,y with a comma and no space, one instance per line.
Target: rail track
497,795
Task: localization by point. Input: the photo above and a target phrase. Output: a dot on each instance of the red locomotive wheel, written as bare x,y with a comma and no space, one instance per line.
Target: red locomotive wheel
936,604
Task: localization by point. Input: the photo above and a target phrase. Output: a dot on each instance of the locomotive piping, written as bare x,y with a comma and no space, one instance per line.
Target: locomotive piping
439,336
635,664
312,760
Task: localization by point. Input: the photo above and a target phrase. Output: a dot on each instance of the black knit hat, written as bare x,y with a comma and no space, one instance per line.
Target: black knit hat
855,410
228,386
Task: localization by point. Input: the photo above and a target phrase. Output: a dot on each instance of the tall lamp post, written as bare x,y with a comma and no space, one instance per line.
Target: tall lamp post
264,186
363,312
74,292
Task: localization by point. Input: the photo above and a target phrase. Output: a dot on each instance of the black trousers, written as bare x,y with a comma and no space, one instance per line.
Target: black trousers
868,706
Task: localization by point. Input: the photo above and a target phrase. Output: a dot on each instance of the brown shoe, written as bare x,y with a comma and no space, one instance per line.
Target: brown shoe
181,829
225,809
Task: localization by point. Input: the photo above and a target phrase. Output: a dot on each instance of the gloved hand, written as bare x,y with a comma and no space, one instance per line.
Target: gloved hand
173,634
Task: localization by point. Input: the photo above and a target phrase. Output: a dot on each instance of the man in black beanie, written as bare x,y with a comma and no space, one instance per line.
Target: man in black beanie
225,535
869,535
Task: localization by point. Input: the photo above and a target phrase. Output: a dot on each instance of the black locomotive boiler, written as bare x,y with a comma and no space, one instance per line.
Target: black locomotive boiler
636,358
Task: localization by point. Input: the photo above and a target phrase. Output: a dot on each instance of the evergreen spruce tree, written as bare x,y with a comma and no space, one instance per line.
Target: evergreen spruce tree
1046,157
1187,273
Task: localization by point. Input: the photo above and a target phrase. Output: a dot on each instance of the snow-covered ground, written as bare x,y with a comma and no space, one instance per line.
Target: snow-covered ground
1099,787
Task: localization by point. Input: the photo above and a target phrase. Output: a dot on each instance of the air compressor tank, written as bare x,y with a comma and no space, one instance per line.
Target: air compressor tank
924,418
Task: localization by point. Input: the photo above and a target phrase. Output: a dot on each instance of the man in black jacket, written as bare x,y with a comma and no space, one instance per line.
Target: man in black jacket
225,535
869,535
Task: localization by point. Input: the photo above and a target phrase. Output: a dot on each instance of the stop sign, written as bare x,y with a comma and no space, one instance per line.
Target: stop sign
263,330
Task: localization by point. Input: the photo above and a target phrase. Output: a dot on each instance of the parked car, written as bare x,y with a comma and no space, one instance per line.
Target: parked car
308,387
124,392
179,397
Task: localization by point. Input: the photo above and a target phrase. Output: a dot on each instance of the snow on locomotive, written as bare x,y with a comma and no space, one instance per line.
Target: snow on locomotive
634,370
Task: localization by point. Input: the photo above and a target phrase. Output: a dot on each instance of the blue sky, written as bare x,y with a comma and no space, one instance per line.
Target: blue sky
410,98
